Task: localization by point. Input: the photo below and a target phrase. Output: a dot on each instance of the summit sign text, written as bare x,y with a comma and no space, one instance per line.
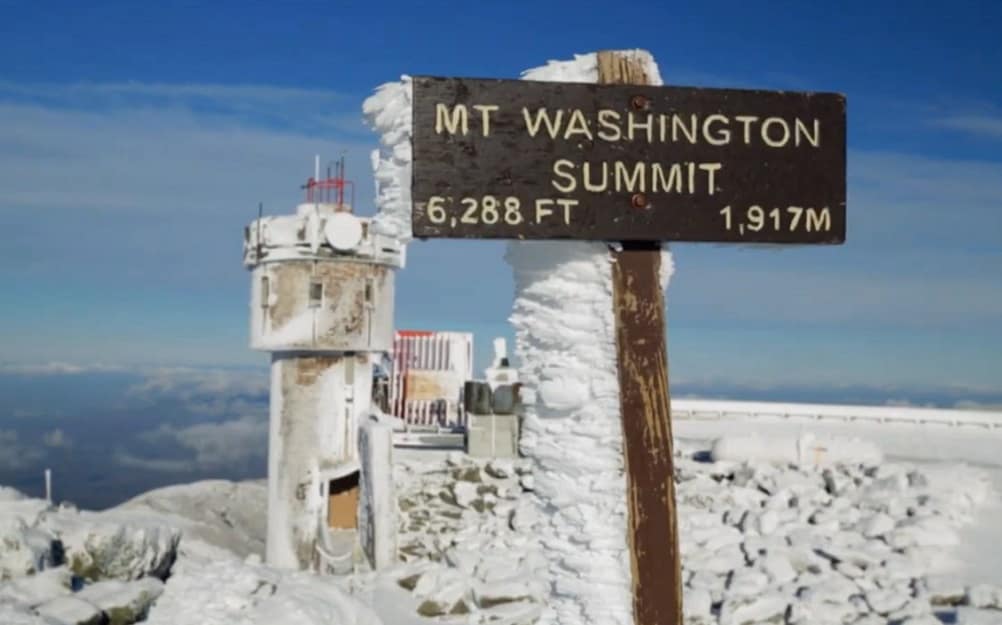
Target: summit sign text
539,160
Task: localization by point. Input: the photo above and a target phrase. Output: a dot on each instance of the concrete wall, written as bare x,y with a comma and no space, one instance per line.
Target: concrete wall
317,402
492,436
354,310
377,510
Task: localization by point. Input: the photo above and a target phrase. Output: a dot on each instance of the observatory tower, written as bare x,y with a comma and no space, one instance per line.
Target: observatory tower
322,304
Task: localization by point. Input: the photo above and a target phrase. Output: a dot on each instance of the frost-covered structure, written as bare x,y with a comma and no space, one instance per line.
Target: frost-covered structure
322,304
389,113
572,431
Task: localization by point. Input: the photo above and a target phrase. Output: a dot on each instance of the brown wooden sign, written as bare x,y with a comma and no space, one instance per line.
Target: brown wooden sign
543,160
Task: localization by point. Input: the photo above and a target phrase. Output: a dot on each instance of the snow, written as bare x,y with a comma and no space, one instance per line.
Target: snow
803,449
117,544
123,601
212,514
388,111
565,344
32,590
761,542
228,591
70,610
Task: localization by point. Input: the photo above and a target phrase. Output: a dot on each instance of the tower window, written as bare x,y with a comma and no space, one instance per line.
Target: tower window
265,291
316,294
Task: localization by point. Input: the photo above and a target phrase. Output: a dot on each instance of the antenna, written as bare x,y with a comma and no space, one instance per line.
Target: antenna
340,189
260,211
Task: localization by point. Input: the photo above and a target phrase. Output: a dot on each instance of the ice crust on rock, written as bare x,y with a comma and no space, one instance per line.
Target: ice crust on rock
123,602
227,591
117,544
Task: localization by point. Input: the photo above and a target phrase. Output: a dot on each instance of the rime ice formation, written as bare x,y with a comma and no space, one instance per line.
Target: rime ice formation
389,113
565,343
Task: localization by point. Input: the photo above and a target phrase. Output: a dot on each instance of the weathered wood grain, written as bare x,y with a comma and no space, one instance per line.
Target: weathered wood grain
638,305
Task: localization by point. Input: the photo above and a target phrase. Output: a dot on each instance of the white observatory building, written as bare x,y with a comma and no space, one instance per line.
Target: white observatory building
322,304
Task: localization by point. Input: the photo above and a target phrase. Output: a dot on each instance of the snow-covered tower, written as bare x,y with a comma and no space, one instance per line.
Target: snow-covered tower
322,304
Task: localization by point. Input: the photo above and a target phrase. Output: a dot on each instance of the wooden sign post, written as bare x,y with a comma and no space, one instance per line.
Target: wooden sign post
644,399
626,161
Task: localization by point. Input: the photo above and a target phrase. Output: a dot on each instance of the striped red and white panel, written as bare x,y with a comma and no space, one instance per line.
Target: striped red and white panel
430,351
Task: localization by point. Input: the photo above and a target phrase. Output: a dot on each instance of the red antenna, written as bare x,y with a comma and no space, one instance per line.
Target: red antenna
330,190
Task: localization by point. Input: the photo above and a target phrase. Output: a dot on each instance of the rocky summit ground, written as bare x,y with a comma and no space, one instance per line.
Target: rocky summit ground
761,543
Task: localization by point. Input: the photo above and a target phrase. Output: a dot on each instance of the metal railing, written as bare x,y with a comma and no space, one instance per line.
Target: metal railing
721,409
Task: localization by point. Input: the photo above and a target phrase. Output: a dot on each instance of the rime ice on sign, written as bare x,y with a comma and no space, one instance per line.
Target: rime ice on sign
322,304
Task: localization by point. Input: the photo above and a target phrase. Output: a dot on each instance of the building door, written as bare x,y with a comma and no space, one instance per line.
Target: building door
342,502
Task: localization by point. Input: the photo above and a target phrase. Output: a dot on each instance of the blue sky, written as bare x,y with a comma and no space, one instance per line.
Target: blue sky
136,143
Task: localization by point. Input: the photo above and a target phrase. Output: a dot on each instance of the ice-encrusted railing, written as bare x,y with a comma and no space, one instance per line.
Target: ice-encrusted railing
723,409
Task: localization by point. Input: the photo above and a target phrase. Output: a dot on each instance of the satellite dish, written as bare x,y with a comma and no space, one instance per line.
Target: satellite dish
343,231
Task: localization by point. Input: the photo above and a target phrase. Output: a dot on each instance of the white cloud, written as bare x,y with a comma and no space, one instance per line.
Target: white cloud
179,162
211,446
57,438
188,382
55,368
127,459
989,126
15,454
306,109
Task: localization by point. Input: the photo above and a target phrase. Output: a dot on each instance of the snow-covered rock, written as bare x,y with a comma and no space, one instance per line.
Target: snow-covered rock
217,513
985,596
696,606
117,544
71,610
205,592
442,591
766,609
31,590
25,548
944,590
464,493
19,614
123,603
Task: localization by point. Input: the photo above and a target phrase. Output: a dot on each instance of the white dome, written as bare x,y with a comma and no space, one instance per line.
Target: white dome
343,231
